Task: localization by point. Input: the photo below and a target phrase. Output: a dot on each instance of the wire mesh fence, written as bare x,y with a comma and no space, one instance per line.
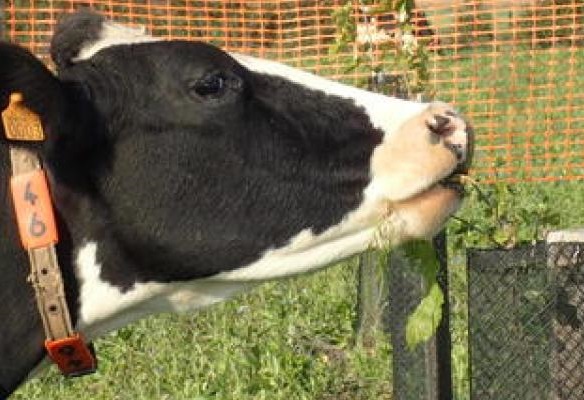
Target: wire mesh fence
514,67
526,307
510,302
567,261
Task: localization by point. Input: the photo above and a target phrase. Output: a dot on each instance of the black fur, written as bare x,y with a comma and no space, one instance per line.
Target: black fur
234,167
171,184
4,393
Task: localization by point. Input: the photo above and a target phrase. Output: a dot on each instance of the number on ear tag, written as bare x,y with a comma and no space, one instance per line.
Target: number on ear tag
20,123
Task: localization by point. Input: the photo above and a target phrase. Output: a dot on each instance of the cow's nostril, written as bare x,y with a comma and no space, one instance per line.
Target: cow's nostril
458,151
440,125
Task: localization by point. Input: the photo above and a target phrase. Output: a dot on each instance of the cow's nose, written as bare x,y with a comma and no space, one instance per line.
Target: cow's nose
447,126
462,146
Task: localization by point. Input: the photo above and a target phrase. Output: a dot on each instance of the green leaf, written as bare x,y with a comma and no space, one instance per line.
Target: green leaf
424,321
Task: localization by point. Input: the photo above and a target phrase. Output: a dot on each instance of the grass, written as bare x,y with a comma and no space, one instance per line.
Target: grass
288,340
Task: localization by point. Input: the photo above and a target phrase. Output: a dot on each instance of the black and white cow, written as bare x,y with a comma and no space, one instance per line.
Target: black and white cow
183,175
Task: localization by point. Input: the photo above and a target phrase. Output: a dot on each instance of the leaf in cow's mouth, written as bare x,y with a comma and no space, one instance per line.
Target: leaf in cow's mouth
462,179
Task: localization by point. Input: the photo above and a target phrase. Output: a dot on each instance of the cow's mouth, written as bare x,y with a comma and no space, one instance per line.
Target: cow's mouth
459,175
455,181
458,178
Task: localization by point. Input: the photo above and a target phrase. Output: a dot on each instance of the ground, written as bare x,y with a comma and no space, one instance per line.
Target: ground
288,340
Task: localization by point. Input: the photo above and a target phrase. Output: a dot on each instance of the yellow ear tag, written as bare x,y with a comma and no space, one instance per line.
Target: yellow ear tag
20,123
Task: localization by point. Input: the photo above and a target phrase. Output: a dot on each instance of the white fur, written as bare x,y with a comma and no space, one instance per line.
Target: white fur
113,34
386,113
104,307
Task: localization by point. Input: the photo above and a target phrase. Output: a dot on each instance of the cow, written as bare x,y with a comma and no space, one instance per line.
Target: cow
182,175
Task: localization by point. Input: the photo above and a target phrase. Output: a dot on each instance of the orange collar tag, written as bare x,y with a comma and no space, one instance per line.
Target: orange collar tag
20,123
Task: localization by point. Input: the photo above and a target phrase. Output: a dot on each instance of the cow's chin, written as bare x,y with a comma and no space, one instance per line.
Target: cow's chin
423,215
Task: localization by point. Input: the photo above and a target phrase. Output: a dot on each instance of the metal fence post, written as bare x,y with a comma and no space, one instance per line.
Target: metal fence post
565,259
425,372
441,344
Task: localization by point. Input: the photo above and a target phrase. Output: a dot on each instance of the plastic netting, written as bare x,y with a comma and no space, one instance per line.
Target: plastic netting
515,68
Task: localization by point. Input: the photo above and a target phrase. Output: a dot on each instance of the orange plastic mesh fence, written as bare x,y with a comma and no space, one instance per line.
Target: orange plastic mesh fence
515,68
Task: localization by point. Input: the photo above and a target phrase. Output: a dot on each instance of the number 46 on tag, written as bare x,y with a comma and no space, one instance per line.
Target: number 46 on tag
34,210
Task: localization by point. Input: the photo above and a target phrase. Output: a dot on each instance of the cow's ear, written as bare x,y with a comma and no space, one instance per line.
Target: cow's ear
21,72
65,113
81,35
74,33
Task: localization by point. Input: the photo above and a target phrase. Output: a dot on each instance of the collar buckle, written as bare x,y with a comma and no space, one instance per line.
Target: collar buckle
71,354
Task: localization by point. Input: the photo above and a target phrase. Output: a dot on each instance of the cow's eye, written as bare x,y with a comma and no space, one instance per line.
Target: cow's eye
209,85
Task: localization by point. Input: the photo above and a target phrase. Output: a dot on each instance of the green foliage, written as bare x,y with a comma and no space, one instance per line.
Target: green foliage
503,215
346,28
405,55
424,321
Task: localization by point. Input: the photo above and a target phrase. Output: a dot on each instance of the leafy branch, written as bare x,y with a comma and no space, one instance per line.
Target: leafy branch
405,55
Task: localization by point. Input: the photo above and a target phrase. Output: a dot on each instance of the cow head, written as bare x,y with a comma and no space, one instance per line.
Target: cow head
182,172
